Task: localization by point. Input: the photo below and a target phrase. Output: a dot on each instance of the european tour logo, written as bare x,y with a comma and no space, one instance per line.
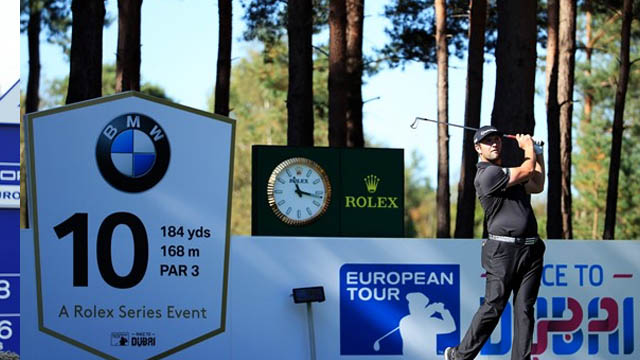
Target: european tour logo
399,309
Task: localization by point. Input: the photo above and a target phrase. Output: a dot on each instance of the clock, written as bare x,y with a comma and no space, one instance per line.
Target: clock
298,191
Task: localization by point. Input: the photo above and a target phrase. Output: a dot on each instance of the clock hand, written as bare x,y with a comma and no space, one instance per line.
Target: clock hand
298,191
310,194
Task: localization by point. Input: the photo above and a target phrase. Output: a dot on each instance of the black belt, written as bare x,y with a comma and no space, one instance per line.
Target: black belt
514,240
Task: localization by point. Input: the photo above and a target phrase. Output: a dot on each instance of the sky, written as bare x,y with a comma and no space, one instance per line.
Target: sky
179,51
10,33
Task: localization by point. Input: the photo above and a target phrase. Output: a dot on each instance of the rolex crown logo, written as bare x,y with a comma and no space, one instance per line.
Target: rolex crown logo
371,181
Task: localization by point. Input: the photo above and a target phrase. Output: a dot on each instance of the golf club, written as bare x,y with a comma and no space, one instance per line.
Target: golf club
376,345
414,125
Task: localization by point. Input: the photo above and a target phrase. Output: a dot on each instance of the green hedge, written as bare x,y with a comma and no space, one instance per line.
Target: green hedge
9,356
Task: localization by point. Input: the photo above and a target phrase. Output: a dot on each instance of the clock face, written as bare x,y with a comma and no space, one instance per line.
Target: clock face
298,191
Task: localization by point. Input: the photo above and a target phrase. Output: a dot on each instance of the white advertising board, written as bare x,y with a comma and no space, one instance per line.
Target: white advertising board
587,306
130,210
10,105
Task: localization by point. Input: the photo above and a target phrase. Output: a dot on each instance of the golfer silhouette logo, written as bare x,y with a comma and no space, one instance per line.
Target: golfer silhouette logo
419,329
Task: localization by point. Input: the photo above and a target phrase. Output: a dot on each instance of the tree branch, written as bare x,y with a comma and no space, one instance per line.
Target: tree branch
321,50
372,99
602,30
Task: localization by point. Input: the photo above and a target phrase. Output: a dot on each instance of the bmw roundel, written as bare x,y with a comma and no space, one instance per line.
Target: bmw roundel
133,152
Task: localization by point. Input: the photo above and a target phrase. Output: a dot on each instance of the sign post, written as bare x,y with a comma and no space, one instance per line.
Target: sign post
130,206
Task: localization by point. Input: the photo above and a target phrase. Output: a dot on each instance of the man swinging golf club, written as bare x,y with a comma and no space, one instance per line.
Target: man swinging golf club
512,256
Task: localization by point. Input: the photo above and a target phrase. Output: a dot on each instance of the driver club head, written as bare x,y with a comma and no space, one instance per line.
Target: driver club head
376,346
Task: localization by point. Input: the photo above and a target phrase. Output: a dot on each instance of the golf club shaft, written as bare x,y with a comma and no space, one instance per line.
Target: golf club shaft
389,333
415,125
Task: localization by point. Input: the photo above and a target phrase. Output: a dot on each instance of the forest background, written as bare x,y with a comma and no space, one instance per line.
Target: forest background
179,52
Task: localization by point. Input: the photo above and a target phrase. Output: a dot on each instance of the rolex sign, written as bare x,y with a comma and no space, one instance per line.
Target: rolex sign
372,202
323,191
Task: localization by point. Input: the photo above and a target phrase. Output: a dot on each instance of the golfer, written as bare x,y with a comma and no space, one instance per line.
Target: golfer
420,328
512,256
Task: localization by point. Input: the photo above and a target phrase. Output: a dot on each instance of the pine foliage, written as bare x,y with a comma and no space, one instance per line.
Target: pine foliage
593,140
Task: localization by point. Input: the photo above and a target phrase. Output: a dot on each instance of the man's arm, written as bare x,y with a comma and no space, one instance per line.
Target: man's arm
525,171
448,323
536,183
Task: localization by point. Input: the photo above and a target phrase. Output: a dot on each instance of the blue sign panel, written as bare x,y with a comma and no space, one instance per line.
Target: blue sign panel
9,280
9,332
10,221
399,309
10,142
9,173
10,185
9,240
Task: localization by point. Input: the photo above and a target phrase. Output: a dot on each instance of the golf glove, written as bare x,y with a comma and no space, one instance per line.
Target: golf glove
537,149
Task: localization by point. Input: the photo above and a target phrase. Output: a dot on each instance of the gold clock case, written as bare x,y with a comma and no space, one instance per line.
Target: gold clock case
271,184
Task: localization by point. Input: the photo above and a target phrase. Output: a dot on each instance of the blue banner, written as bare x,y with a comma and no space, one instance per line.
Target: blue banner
10,143
10,236
9,280
399,309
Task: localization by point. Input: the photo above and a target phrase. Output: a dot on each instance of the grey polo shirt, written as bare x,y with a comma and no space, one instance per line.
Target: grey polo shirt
507,210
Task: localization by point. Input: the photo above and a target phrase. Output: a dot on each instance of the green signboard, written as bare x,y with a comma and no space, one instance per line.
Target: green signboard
327,191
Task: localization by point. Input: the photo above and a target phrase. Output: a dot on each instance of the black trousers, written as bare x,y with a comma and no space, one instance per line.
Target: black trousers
510,268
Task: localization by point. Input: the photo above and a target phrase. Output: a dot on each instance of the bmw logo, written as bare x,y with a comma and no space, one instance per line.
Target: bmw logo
133,153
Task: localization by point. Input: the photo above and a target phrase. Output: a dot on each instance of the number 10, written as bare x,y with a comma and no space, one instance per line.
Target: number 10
78,224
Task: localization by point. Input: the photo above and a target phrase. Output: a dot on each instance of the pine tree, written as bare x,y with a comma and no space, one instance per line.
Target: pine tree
419,201
257,99
128,56
593,140
55,17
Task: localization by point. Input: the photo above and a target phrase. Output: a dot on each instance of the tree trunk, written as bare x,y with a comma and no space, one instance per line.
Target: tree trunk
566,68
223,66
594,225
473,103
554,215
588,98
442,199
85,74
616,136
337,73
33,33
24,210
128,56
591,42
300,95
515,79
355,22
